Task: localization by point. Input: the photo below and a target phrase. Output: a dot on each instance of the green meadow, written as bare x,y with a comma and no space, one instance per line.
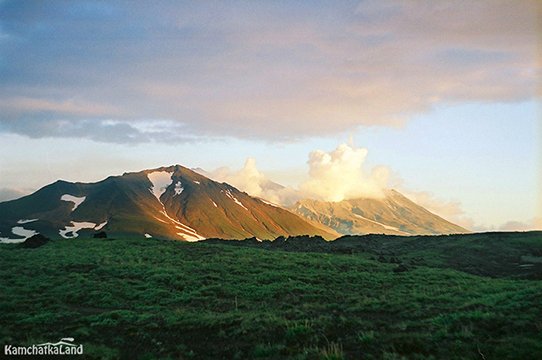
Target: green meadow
380,297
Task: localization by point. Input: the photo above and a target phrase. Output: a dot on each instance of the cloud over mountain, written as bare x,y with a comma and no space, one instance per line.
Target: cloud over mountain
255,183
332,176
339,175
268,70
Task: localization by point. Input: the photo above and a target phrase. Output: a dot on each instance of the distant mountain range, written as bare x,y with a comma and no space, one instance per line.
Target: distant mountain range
394,214
177,203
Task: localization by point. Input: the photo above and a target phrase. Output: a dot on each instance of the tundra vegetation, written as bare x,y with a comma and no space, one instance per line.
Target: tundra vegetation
383,297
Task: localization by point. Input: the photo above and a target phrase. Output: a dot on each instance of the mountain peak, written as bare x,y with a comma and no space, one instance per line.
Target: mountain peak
171,202
175,202
394,214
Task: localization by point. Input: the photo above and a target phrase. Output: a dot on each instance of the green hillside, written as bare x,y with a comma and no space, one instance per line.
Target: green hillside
164,299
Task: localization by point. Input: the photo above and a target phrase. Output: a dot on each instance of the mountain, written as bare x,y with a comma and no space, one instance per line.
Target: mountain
169,202
394,214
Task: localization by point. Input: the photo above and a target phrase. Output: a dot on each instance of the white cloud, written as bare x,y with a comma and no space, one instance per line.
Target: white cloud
333,176
255,183
339,175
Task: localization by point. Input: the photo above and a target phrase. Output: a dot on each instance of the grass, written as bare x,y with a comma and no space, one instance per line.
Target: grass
151,299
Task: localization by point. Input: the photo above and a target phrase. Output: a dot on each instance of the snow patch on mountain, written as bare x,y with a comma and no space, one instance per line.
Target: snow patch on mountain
26,221
100,226
229,194
70,232
214,204
76,200
160,181
268,202
20,231
187,232
197,182
178,188
378,223
148,236
191,238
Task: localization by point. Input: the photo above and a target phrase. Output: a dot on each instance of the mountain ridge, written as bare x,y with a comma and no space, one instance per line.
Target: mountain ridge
175,202
394,214
171,202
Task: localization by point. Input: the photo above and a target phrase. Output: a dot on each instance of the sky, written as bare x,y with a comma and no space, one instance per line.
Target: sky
333,99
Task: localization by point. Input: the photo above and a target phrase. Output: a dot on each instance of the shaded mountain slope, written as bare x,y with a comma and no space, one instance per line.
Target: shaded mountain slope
169,202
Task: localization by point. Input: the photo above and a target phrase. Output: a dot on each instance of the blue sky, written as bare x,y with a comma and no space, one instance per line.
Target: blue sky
89,89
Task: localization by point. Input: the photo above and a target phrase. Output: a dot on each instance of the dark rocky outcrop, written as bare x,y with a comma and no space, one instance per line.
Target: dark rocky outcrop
35,241
100,235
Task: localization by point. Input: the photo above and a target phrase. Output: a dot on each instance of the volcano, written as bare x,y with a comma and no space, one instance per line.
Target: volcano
169,203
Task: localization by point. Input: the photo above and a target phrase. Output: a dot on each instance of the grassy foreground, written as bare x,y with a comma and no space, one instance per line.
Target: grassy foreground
151,299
